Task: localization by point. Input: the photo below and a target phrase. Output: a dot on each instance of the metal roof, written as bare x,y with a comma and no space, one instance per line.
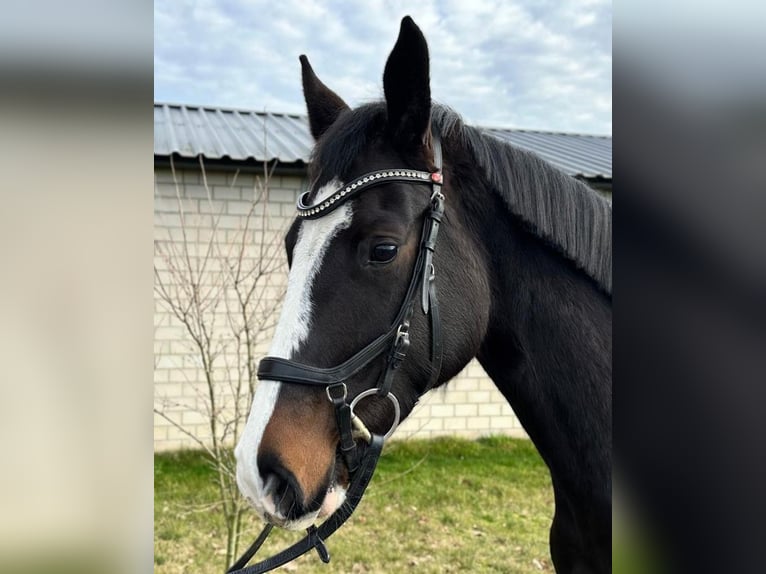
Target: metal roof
239,135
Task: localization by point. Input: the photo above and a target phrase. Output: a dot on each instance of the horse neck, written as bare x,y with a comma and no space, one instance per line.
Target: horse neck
548,345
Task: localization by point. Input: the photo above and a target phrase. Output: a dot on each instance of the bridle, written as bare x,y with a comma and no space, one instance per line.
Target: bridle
395,342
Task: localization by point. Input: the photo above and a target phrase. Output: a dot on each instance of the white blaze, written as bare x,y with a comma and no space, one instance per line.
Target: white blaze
293,328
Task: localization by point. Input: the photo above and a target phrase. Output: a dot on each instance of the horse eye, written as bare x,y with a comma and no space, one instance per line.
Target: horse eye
383,252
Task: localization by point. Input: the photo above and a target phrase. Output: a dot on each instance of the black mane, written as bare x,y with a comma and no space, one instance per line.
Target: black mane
557,207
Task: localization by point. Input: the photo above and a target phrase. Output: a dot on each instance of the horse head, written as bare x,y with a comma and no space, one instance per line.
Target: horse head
351,267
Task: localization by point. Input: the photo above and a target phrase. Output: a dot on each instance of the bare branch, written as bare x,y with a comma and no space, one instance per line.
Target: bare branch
224,288
181,428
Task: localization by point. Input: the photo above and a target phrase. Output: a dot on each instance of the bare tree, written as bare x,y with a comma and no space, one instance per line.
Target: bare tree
225,288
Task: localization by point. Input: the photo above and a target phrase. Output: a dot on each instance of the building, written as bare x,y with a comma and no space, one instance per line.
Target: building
211,165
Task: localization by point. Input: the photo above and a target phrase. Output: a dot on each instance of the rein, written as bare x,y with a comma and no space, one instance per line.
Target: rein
395,341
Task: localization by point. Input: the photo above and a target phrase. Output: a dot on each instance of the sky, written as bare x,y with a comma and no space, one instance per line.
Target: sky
527,64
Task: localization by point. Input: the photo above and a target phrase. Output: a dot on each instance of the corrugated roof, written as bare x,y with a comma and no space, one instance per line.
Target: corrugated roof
218,133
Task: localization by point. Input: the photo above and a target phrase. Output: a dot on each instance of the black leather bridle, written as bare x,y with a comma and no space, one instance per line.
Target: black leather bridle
395,341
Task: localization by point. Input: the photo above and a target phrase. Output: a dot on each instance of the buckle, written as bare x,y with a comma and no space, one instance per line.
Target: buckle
402,336
401,345
336,398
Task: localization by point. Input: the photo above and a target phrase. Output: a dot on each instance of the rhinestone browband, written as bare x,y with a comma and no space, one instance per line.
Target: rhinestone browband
307,211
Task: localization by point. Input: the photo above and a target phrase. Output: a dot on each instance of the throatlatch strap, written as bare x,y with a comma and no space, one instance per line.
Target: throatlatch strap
316,537
436,337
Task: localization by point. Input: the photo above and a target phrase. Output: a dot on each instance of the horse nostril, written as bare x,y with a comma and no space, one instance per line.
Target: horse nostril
280,487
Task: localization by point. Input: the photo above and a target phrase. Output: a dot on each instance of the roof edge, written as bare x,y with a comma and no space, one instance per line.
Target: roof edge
229,109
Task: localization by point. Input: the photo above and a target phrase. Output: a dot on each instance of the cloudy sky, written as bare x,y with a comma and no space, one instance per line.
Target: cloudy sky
534,64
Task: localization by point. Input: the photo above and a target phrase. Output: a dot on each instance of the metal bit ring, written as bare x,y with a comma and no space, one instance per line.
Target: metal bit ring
391,397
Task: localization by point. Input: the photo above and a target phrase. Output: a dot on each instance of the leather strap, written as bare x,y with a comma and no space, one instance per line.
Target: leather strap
316,536
436,337
437,149
250,552
434,222
285,370
346,445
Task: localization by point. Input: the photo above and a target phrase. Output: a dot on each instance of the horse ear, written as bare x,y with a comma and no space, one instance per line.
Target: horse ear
324,105
407,88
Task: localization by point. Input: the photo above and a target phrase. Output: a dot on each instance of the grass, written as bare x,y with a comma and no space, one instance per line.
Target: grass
446,505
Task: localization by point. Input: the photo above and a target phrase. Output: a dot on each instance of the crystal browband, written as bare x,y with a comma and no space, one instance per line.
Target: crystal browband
345,193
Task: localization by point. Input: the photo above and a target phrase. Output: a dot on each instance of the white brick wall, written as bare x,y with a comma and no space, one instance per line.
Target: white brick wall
468,406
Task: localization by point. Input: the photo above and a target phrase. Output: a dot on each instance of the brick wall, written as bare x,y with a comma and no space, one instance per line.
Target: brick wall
468,406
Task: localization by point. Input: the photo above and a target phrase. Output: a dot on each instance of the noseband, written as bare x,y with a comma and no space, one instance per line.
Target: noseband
394,342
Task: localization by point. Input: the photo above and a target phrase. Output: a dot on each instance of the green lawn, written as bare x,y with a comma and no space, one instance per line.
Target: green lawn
446,505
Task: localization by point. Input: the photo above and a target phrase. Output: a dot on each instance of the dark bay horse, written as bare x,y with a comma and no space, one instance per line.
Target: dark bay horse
523,270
